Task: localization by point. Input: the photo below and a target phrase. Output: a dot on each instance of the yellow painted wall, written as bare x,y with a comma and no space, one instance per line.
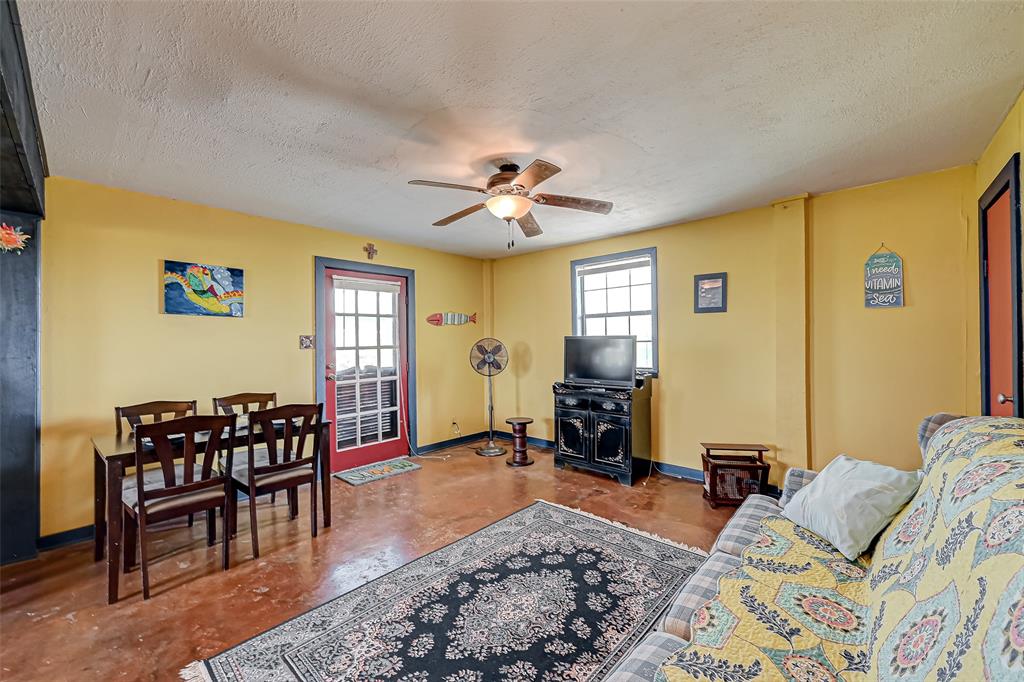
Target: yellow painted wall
1007,141
797,362
717,370
876,373
105,342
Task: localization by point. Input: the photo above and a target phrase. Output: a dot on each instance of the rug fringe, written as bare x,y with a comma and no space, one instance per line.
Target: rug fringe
195,672
688,548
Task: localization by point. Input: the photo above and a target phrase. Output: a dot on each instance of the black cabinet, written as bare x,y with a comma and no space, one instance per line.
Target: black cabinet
603,429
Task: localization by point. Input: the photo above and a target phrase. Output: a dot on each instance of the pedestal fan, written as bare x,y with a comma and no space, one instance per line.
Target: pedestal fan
489,357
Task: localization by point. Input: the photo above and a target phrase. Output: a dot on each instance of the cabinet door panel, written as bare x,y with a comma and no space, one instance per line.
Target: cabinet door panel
571,433
611,440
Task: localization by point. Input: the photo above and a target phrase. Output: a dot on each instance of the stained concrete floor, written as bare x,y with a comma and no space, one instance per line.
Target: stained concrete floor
55,623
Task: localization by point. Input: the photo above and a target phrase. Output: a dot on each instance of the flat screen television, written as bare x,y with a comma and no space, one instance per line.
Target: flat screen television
600,360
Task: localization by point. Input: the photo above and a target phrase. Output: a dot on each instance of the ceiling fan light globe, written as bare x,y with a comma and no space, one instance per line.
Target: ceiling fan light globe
509,206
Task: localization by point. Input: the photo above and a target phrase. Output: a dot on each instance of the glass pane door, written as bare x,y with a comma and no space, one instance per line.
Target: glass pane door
367,380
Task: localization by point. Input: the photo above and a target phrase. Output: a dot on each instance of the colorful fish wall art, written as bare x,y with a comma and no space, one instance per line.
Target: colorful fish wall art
198,289
444,319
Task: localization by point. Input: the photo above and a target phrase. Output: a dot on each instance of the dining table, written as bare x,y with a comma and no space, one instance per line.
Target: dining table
113,454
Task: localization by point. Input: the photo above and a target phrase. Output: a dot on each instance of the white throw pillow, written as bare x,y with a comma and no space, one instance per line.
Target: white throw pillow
852,501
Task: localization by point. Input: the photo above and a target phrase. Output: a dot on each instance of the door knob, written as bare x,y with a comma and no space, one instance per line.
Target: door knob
1003,398
332,377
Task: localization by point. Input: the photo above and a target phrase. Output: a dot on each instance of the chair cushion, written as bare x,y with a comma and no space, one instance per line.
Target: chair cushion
164,504
744,526
154,477
297,475
240,469
642,663
702,586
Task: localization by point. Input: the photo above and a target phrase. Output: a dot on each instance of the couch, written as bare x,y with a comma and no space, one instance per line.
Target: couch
940,596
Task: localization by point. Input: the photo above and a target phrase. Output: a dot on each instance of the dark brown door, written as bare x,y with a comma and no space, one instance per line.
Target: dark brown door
999,221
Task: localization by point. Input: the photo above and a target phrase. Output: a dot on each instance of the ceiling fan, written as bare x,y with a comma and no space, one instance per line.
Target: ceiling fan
510,199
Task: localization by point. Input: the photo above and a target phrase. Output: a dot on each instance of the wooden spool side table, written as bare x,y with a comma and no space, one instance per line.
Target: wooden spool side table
519,458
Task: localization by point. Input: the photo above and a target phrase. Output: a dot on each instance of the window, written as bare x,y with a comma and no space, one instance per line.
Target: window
617,295
366,343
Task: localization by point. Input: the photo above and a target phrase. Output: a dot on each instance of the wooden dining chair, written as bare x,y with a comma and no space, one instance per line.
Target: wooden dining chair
239,404
156,409
242,401
270,468
190,482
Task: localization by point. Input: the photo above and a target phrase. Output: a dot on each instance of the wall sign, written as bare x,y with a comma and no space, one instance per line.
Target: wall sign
883,279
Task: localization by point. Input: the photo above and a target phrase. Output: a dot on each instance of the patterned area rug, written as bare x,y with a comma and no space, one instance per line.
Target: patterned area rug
377,471
545,594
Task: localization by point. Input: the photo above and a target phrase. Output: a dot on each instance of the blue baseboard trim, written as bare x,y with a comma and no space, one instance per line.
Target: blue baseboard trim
450,443
675,470
536,442
469,438
697,476
66,537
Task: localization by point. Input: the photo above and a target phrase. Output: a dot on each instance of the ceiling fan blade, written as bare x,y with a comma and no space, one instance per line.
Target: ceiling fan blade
580,204
458,216
528,224
447,185
536,173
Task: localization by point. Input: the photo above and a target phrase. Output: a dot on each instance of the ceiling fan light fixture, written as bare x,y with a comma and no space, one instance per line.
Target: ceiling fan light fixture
509,206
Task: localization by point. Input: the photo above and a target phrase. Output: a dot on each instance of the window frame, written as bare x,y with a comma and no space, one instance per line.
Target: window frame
575,283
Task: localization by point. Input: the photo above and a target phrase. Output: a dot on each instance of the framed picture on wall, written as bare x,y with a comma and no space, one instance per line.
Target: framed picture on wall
201,289
710,292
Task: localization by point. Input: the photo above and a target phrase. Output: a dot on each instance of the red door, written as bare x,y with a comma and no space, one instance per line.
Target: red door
367,367
1001,305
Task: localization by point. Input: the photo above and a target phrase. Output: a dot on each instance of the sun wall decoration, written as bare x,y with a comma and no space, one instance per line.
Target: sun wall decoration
12,239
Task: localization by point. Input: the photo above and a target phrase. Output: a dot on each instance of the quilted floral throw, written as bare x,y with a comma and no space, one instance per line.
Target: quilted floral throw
544,594
941,597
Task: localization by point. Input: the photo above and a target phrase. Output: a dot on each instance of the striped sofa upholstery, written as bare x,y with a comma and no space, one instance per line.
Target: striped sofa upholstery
929,425
702,586
643,662
745,525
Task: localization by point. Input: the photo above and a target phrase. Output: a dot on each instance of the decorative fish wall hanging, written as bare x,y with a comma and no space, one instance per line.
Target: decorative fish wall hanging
441,319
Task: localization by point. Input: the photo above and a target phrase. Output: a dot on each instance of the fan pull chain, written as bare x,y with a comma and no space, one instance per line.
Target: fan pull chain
511,240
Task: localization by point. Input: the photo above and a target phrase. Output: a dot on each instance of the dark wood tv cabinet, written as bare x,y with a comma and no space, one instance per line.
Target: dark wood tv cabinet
604,430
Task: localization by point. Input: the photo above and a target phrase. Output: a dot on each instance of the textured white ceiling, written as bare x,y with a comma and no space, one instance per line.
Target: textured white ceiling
321,112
